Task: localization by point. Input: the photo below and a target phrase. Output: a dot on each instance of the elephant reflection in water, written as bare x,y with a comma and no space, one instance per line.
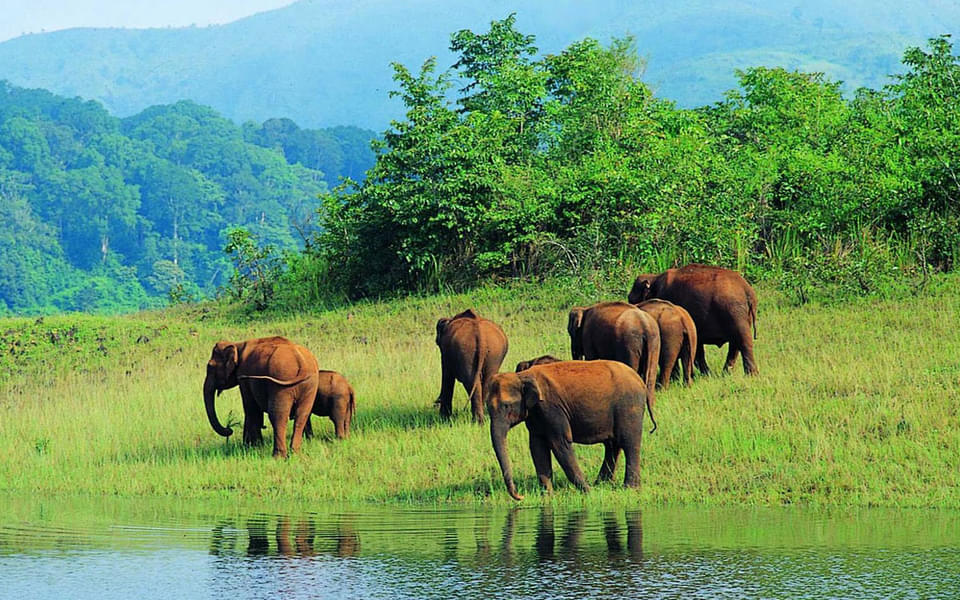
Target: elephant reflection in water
291,537
306,540
572,534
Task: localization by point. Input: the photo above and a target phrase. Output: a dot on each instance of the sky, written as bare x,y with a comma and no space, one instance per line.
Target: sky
33,16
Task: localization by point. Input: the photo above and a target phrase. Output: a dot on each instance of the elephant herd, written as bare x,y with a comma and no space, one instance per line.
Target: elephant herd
667,319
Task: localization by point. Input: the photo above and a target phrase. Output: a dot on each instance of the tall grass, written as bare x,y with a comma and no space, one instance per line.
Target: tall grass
856,404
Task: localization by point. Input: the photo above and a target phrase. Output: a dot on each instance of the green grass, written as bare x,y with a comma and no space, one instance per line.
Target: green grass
856,405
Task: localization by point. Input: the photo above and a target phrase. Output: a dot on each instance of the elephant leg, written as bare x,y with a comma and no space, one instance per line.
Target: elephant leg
476,403
668,360
445,400
308,430
563,450
733,352
303,401
631,453
252,417
611,452
279,421
340,415
701,360
686,361
742,342
540,452
746,347
340,426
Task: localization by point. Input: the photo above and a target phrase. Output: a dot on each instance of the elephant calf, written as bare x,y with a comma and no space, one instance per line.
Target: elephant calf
583,402
335,399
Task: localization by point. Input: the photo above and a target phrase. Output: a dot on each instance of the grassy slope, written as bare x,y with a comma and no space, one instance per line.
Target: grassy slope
856,404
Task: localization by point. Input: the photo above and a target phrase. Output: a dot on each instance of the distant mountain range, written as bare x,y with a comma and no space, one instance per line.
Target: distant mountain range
327,62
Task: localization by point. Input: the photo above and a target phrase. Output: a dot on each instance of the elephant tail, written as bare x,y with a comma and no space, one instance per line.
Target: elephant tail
352,406
752,306
478,371
285,382
650,412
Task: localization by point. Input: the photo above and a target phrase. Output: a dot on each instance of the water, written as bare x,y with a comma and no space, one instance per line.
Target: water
96,548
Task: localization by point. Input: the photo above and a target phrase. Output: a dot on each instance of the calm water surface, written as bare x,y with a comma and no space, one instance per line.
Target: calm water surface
100,548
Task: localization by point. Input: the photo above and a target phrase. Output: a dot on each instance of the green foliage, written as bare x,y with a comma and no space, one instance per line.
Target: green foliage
256,268
568,165
108,214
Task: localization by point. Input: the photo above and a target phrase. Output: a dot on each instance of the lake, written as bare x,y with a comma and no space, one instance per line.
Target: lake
66,548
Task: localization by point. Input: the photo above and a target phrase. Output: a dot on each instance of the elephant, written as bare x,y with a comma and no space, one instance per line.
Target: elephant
618,331
546,359
335,399
471,351
678,338
275,375
721,303
583,402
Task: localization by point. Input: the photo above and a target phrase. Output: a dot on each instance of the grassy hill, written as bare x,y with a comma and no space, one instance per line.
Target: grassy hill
855,406
327,63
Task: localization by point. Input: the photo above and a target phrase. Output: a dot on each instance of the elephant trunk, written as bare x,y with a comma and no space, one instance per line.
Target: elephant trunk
209,388
498,435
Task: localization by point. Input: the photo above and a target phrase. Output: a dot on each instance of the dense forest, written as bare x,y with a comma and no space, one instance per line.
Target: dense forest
518,164
512,163
105,214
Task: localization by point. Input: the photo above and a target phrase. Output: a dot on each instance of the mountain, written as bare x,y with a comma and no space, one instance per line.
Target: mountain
327,62
99,213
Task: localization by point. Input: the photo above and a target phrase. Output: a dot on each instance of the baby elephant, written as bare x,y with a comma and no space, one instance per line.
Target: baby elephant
335,399
546,359
584,402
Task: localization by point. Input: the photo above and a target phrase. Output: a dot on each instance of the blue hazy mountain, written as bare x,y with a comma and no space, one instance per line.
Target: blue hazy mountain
327,62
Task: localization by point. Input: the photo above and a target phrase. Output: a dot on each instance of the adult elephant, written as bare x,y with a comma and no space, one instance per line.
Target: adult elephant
721,302
471,351
275,375
562,403
678,338
618,331
335,399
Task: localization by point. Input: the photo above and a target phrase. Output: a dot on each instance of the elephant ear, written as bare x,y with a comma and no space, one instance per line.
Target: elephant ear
441,327
230,358
640,290
530,393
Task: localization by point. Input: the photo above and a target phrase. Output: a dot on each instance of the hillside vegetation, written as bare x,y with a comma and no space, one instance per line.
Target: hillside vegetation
325,63
855,405
105,214
516,164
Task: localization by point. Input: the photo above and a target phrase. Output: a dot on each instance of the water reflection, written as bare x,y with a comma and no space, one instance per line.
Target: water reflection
572,531
282,535
73,549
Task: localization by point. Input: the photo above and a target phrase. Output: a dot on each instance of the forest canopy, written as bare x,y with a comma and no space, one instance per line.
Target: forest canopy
517,164
105,214
509,164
